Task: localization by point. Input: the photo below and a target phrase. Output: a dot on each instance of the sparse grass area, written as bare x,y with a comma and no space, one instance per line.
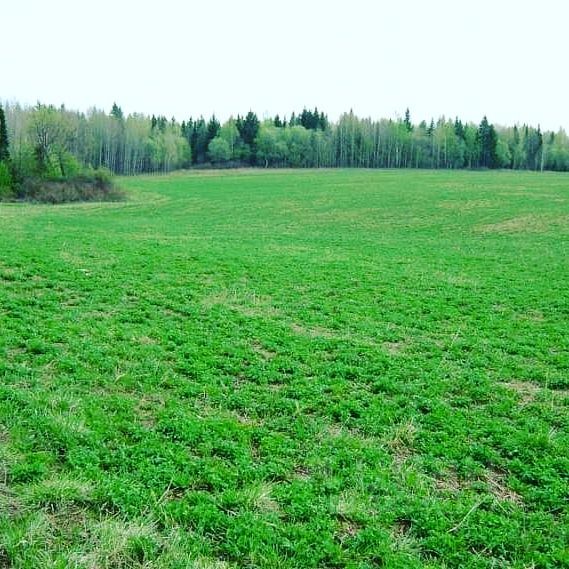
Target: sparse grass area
326,369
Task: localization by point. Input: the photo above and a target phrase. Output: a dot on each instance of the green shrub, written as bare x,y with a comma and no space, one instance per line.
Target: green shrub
62,179
88,185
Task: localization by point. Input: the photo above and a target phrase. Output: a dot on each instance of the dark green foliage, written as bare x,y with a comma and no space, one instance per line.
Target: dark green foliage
407,121
162,124
116,112
6,181
248,128
4,142
199,134
487,140
311,120
459,129
198,138
213,127
82,187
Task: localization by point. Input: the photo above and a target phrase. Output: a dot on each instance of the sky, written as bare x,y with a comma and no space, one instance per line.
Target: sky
505,59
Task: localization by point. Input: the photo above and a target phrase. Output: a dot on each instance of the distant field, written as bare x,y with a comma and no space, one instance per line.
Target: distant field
304,369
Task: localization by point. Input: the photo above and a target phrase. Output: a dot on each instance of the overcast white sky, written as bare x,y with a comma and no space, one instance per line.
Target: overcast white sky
505,58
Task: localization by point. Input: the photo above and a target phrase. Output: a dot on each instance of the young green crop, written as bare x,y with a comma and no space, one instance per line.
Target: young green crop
288,369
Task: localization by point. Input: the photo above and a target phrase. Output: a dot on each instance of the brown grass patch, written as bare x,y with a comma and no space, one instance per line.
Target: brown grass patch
244,419
395,348
302,473
449,482
99,314
401,528
499,489
401,441
526,390
265,353
315,332
147,409
333,431
348,529
532,316
10,506
248,303
531,223
260,497
466,205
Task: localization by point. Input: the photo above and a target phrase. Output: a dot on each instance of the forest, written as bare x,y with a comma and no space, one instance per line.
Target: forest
48,143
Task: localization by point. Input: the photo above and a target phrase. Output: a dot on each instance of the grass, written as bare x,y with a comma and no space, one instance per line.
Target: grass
275,369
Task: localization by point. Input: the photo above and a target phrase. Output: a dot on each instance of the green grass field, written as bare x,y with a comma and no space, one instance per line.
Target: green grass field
272,369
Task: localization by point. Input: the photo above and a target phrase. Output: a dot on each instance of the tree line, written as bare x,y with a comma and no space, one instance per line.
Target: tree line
55,142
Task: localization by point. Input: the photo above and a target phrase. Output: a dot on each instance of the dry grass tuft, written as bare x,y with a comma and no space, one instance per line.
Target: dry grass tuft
394,348
259,497
530,223
497,486
315,332
526,390
401,441
449,483
246,302
260,350
348,529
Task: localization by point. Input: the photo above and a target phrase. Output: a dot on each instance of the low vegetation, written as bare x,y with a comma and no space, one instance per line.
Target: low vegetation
310,369
83,187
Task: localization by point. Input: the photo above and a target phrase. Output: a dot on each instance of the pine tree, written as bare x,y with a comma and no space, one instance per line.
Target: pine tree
213,127
249,128
487,140
116,112
305,118
4,142
459,128
407,121
162,122
199,141
533,143
189,130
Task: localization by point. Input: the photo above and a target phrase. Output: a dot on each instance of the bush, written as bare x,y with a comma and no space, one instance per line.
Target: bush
88,185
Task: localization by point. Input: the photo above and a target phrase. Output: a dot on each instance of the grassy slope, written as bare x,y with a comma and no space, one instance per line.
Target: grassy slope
288,369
